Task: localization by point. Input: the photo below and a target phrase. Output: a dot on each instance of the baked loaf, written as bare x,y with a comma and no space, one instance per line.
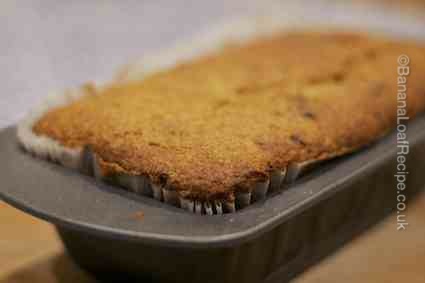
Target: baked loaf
214,126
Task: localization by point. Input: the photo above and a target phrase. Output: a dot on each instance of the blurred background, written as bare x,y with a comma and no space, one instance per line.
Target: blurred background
51,45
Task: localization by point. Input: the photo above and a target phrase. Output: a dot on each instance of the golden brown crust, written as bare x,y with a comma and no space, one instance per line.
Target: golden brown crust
213,125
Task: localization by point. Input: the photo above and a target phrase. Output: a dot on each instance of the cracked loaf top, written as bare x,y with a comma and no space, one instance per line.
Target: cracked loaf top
212,126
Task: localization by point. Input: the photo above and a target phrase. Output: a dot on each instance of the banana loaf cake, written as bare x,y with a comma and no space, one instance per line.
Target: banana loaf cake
217,132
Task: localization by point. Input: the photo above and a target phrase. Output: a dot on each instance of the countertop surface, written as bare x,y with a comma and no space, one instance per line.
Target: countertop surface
32,253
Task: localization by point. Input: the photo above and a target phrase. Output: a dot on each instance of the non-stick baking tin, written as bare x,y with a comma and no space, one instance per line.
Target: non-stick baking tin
111,232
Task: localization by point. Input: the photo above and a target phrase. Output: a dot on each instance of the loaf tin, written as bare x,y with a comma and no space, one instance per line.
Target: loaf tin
117,235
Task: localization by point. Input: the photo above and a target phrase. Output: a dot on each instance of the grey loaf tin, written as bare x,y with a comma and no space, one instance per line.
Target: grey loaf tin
269,241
